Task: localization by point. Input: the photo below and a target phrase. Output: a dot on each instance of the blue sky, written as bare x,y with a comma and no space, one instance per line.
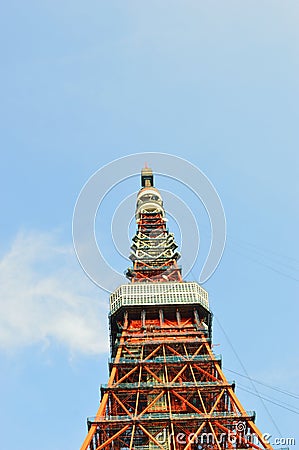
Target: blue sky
83,83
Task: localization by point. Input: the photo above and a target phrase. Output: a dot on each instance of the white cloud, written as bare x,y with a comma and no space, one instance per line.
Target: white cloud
45,296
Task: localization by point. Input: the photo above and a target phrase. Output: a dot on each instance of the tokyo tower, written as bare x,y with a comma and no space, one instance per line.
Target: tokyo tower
166,388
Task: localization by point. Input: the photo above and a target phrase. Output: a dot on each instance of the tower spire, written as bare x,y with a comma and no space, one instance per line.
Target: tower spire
147,178
154,251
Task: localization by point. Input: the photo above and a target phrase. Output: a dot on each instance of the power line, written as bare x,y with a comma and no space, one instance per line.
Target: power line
271,401
282,391
253,385
267,397
267,265
263,250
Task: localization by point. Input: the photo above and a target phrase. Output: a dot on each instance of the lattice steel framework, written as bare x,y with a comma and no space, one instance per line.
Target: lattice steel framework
154,250
166,388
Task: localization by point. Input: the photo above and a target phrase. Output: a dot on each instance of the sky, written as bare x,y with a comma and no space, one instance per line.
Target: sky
85,83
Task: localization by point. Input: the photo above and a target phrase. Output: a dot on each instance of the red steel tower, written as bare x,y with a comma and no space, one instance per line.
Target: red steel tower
166,388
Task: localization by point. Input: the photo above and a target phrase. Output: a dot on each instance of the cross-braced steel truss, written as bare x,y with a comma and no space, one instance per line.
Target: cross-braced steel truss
154,251
167,391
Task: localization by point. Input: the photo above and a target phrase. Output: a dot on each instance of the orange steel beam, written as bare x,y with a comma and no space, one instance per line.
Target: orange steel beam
179,374
195,435
173,350
153,352
112,438
122,405
197,351
151,437
132,437
187,402
215,436
126,376
152,373
103,404
152,403
217,401
198,391
209,375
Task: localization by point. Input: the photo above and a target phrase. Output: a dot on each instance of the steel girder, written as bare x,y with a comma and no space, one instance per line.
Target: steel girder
168,391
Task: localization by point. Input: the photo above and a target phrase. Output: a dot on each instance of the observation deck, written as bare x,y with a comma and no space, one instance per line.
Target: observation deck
158,294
